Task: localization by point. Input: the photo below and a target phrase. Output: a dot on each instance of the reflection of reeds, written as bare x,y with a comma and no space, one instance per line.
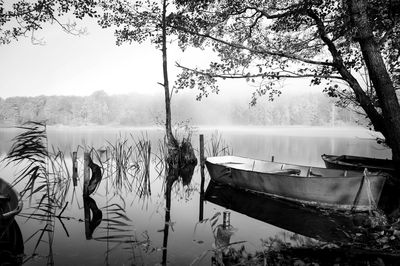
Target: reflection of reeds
217,146
160,160
116,232
120,165
128,164
143,155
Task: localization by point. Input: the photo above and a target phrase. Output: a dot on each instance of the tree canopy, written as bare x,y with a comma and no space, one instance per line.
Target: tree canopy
23,18
261,41
324,40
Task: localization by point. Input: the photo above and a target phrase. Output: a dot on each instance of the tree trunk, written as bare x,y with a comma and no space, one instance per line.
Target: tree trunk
170,137
379,75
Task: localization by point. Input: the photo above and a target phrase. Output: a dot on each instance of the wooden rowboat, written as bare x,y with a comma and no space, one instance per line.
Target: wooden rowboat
10,203
358,163
327,188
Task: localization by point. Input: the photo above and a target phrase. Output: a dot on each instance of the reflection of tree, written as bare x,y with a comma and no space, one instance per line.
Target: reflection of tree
167,220
186,174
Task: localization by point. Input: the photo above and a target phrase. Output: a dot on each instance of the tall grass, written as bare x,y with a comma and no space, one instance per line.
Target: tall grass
217,146
143,160
118,161
127,165
45,181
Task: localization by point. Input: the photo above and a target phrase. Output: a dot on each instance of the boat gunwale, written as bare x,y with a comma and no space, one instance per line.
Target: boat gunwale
277,173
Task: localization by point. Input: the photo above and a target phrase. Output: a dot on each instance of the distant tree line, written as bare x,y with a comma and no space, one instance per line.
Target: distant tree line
313,109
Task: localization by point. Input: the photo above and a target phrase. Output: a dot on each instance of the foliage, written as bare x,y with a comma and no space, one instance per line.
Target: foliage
323,40
22,17
273,40
136,21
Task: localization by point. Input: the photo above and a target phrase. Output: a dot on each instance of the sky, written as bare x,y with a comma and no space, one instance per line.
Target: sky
79,65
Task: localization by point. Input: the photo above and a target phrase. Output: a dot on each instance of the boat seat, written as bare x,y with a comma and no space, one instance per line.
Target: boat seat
287,172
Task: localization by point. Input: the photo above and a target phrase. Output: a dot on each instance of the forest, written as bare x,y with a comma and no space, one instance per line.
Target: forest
134,109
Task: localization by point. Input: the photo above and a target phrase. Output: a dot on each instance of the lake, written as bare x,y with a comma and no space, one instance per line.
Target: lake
132,228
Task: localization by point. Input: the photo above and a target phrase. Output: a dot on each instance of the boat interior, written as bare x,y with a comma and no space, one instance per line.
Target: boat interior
278,168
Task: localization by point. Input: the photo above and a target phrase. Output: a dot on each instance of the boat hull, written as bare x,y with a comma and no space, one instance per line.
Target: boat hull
10,203
326,188
357,163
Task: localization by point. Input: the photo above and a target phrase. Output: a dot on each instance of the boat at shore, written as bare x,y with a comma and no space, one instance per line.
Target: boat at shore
313,186
10,203
358,163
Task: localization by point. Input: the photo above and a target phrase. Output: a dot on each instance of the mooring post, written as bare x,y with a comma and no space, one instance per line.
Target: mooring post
86,174
272,158
75,168
226,220
201,211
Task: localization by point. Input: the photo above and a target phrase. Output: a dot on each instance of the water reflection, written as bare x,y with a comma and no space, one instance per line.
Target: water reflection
305,221
185,173
222,236
11,245
127,231
93,216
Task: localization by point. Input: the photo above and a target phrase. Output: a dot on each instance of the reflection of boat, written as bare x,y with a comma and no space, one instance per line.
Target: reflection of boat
10,203
330,188
91,221
350,162
286,215
11,245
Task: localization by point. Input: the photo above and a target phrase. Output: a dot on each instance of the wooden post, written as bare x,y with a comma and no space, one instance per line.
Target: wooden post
75,168
226,222
86,173
202,160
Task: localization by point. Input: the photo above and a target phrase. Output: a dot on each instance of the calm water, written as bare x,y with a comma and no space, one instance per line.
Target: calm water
131,230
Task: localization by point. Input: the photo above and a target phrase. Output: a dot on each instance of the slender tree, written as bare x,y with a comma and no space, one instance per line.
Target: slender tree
140,22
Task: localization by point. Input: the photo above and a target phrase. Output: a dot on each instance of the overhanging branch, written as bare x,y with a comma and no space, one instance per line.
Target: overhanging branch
252,50
259,75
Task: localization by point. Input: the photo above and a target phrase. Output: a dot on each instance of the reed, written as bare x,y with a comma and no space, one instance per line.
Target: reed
120,168
217,146
45,176
127,164
143,160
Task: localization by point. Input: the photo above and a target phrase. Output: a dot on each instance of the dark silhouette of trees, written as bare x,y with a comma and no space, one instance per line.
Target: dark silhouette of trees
145,110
